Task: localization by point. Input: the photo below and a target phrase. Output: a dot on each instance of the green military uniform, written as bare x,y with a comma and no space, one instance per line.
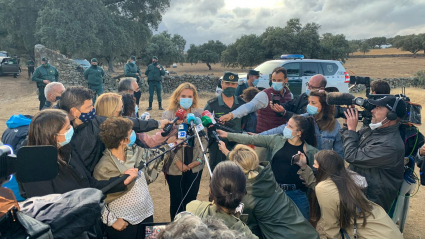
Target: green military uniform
244,85
219,108
94,76
30,65
44,72
154,80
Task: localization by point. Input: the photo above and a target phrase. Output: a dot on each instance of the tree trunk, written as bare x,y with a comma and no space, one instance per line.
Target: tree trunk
110,64
209,66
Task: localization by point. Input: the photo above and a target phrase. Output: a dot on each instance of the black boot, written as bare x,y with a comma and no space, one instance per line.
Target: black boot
150,106
160,107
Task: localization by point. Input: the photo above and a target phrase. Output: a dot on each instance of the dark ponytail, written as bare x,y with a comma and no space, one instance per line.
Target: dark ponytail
228,186
306,126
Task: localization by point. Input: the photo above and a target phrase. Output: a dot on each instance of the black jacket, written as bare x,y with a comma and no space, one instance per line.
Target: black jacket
70,215
295,106
377,155
87,149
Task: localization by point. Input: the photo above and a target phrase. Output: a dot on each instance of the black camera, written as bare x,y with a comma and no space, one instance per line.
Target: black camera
275,99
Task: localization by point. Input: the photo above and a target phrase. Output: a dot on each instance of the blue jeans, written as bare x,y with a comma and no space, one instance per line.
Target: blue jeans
300,199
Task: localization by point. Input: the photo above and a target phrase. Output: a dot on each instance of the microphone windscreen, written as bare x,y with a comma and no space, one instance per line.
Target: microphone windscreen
336,98
198,120
191,117
180,113
206,121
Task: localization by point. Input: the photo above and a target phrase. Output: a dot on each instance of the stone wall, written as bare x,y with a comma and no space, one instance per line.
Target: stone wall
393,82
69,74
202,83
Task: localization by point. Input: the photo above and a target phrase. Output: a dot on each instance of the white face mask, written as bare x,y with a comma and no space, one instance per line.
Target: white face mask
377,125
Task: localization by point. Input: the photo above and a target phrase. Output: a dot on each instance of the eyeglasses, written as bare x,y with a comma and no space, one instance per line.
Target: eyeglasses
312,87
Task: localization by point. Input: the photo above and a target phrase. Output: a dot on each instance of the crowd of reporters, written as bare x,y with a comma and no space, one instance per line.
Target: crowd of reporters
296,175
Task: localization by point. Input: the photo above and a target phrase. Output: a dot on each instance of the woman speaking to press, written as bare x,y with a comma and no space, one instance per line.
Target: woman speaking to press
185,171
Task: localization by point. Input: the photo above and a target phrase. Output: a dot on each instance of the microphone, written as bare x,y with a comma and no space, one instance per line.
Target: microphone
179,116
182,133
207,113
191,119
145,116
336,98
200,128
206,121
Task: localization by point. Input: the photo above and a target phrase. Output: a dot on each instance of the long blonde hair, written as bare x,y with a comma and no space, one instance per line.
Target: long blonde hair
106,104
246,158
174,99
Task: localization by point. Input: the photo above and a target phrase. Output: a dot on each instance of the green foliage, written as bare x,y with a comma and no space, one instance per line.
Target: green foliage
248,51
421,77
376,41
334,47
167,50
208,53
354,45
365,47
413,43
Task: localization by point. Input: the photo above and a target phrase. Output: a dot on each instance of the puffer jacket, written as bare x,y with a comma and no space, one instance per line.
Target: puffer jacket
377,155
17,130
208,209
271,213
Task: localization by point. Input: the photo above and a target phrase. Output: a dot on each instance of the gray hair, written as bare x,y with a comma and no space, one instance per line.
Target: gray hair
125,84
190,226
49,87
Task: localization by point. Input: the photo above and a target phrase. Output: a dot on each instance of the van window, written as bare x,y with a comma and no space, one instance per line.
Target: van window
329,68
293,69
310,68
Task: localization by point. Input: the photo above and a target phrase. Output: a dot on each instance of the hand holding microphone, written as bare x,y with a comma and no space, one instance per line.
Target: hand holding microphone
168,128
206,121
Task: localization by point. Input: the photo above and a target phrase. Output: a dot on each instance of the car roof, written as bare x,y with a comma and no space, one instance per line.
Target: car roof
303,60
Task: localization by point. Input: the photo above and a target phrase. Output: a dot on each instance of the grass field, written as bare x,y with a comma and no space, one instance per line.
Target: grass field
387,51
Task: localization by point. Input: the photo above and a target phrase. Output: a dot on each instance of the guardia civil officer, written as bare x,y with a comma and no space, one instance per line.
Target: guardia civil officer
251,81
94,76
154,72
223,104
132,70
43,75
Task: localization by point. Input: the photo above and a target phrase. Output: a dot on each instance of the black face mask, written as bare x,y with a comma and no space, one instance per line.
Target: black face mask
95,66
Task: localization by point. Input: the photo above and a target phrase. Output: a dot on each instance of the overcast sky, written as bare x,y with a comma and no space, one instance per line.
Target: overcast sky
226,20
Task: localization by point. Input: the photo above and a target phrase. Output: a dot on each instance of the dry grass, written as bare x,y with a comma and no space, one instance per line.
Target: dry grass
391,67
387,51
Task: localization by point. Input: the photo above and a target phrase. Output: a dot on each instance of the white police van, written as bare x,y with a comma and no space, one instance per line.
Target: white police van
300,71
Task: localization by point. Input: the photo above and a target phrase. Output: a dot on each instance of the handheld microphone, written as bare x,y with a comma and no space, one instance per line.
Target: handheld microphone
336,98
191,119
200,128
145,116
179,116
182,133
207,113
206,121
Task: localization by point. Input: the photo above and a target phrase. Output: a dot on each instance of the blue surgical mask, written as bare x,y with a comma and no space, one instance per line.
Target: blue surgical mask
307,92
186,103
132,138
134,62
287,133
136,109
255,83
277,86
68,137
312,110
86,117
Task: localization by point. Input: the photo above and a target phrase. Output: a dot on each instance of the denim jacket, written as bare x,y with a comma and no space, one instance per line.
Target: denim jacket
325,139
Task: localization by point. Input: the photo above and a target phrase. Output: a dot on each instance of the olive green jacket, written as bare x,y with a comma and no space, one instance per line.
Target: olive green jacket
153,73
131,69
273,143
94,75
48,72
271,214
207,209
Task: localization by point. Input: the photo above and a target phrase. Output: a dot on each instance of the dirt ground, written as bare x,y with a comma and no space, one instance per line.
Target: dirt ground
18,95
387,51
